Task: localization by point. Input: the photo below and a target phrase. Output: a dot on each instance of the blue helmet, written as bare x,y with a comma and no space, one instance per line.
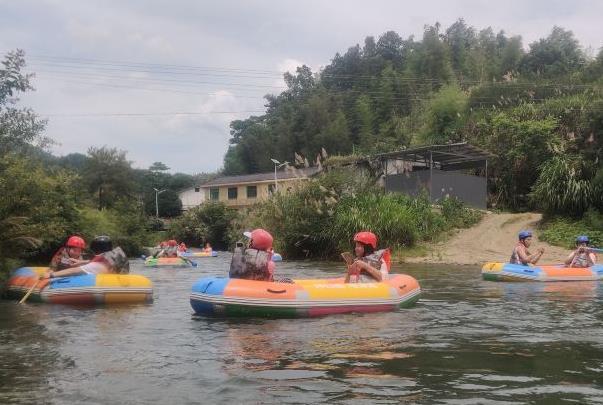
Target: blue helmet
524,234
582,239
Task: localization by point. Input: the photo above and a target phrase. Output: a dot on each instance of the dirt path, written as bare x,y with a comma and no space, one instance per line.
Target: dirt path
490,240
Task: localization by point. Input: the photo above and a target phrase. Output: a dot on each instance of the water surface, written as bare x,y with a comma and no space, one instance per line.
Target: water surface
467,341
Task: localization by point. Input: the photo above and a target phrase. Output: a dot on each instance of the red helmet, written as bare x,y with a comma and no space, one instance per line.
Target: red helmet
368,238
260,239
76,242
172,242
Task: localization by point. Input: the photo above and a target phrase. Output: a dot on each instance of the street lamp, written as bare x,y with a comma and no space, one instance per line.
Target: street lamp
277,165
157,192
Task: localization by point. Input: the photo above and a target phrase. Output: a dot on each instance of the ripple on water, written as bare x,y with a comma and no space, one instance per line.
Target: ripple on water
467,341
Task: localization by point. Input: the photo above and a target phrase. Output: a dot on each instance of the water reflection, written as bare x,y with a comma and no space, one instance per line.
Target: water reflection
467,341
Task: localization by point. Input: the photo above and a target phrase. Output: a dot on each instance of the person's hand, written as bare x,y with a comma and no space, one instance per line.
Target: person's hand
581,249
47,274
541,250
354,269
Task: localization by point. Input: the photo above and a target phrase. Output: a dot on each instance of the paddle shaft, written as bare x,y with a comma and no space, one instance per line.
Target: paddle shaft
26,296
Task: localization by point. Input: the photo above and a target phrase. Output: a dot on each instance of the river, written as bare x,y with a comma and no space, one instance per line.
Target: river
467,341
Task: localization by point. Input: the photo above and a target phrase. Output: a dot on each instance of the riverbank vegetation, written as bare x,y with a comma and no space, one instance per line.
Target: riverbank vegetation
539,110
44,198
320,218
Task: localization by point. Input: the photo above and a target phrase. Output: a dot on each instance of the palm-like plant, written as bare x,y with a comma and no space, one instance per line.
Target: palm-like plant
564,186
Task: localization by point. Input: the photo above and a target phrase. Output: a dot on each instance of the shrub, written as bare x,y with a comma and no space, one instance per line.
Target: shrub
208,222
564,186
562,231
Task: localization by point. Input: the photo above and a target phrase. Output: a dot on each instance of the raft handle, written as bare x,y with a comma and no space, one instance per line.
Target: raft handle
276,291
402,287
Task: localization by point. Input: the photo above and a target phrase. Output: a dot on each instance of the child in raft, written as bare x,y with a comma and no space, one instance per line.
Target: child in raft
106,260
69,255
207,248
370,265
521,254
582,256
253,262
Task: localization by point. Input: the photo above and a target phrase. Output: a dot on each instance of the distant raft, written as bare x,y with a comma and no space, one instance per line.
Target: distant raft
166,262
213,253
496,271
302,298
87,289
276,257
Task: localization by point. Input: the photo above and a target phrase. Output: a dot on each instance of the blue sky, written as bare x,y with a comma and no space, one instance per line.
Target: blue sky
116,72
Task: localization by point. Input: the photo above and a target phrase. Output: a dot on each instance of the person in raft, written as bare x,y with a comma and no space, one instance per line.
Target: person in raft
207,248
253,262
69,255
105,260
521,254
582,256
170,250
370,265
182,247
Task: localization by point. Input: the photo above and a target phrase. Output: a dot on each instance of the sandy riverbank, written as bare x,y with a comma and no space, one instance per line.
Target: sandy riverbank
492,239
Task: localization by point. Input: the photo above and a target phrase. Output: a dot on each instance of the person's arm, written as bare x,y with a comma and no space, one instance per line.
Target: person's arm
536,256
78,262
373,272
570,258
73,271
271,267
592,258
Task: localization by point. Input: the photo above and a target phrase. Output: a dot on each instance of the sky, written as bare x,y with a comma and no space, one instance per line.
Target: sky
162,80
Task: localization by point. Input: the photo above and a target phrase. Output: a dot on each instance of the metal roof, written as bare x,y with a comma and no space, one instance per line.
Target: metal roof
287,174
446,157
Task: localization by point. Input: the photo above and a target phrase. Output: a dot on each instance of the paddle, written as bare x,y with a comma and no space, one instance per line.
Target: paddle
26,296
348,257
194,264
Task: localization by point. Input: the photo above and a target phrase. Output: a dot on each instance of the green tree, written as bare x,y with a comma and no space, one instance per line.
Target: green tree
20,128
108,174
445,116
559,53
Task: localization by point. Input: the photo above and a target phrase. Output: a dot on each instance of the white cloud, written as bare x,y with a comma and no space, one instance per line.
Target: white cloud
247,44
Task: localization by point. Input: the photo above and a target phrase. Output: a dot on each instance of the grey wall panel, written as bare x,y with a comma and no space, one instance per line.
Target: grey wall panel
408,183
467,188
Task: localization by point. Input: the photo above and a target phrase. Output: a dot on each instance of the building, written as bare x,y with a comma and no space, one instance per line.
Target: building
245,190
455,170
191,197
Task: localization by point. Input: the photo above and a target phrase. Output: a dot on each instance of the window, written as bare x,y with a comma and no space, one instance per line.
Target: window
214,193
197,189
252,191
271,188
232,193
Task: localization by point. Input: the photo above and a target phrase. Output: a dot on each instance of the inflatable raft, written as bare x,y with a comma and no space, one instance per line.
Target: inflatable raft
199,254
303,298
88,289
276,257
166,262
515,272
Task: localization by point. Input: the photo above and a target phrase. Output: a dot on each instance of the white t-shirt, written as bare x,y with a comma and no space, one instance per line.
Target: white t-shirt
94,268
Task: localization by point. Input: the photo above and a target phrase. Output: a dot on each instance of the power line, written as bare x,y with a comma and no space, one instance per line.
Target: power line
147,114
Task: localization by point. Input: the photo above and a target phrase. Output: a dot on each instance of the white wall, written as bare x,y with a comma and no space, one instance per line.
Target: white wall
191,198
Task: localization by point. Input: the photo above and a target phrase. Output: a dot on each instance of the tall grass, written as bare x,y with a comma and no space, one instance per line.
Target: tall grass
321,217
